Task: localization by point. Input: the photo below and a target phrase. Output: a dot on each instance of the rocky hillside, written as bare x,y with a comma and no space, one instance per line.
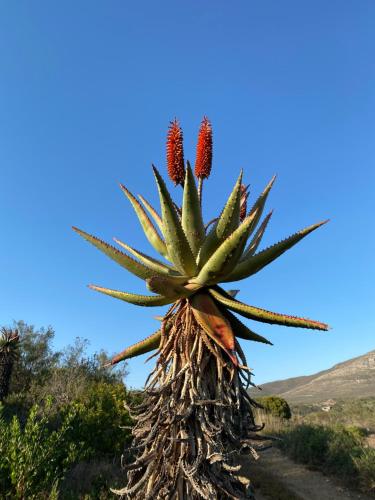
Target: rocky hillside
354,378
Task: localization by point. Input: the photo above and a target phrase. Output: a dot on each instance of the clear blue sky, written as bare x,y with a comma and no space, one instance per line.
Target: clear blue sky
87,89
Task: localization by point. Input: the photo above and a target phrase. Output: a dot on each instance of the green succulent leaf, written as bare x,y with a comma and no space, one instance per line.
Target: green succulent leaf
167,287
258,206
253,264
192,222
263,315
156,265
257,238
149,229
224,259
178,210
242,331
121,258
179,250
146,345
225,225
132,298
151,210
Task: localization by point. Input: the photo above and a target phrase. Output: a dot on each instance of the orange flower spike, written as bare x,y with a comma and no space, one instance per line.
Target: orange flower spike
203,161
243,202
175,153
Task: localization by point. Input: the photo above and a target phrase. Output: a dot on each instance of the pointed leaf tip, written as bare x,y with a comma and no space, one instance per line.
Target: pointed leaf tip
148,228
223,260
132,298
144,346
257,238
225,225
259,205
131,265
154,214
263,315
254,263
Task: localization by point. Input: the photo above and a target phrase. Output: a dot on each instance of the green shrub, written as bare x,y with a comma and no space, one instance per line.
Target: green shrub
103,421
365,465
306,444
34,458
336,450
276,406
65,413
358,433
344,445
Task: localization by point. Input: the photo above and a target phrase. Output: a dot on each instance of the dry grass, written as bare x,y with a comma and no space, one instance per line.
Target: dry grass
92,480
273,425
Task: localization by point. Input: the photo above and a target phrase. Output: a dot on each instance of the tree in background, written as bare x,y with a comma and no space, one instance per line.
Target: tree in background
36,357
197,415
75,374
69,411
9,350
276,406
63,377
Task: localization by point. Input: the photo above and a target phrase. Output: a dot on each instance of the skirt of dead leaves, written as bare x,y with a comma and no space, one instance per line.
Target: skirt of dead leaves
195,421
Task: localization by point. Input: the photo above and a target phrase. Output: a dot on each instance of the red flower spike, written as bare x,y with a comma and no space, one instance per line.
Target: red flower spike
243,202
203,161
175,153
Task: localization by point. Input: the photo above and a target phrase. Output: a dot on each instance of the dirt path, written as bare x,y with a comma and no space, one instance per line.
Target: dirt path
282,479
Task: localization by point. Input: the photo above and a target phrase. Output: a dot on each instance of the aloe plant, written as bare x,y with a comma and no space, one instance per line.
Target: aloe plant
197,415
9,343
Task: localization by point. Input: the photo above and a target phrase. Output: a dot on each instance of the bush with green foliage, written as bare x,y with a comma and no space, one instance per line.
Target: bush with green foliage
68,406
365,465
103,422
358,412
276,406
36,357
34,458
334,450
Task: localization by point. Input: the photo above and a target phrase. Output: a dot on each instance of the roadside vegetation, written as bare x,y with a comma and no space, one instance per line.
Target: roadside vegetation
328,442
63,425
358,412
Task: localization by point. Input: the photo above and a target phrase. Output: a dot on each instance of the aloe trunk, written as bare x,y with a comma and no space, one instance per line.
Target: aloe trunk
8,352
196,418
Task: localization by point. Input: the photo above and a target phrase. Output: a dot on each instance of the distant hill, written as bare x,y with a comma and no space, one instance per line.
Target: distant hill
350,379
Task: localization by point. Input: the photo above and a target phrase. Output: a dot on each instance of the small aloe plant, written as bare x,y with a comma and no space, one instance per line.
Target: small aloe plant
197,415
9,351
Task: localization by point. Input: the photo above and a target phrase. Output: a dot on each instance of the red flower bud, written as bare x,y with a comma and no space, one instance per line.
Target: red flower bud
175,153
203,161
